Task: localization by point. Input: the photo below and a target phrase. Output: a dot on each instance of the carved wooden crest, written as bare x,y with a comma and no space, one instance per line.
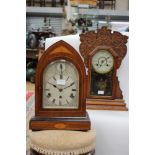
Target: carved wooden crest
103,37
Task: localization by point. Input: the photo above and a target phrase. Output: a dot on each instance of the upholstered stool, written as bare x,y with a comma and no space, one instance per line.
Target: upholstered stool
61,142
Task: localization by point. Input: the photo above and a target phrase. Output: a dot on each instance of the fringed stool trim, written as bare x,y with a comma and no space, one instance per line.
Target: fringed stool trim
86,149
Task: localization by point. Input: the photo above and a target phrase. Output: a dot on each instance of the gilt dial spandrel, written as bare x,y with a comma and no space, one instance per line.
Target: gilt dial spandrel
60,86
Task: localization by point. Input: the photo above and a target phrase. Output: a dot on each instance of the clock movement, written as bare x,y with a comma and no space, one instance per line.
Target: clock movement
103,52
60,101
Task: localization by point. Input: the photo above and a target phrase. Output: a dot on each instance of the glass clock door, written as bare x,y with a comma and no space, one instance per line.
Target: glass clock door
101,84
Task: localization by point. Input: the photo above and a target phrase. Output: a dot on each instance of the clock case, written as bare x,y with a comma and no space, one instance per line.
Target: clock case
89,79
60,119
115,43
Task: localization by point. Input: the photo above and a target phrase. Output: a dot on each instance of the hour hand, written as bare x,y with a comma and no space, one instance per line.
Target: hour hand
53,85
60,90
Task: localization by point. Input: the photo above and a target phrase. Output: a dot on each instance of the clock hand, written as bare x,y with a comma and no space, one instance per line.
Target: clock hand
60,89
107,60
69,85
61,75
53,85
67,78
100,63
54,78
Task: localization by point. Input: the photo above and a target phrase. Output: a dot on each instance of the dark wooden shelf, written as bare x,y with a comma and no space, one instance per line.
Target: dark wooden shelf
43,33
32,53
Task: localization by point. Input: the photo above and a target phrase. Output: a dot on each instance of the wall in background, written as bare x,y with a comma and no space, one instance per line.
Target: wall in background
122,5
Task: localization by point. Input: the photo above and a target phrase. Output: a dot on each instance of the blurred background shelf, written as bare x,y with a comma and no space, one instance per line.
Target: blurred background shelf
44,11
51,18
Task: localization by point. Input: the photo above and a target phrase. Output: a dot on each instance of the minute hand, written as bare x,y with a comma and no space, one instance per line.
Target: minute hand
69,85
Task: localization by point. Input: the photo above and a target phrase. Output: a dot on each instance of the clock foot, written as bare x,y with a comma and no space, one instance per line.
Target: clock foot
99,104
74,123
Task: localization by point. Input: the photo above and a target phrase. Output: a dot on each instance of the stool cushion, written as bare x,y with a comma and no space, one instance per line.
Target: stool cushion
62,142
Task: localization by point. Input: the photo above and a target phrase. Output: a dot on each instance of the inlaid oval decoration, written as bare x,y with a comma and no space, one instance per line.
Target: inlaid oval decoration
60,125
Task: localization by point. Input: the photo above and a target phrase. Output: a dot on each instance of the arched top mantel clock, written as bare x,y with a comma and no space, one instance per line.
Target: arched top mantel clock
60,101
103,52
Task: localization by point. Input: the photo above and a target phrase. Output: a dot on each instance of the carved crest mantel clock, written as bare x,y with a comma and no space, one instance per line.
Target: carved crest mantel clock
103,52
60,101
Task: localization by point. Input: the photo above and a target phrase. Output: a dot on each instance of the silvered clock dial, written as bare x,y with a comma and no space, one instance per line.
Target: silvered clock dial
60,86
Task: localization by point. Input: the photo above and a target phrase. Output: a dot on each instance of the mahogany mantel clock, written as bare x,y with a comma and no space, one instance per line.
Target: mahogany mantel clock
103,52
60,101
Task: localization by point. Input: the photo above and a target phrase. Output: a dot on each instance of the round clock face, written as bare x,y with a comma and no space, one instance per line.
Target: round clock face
60,85
102,62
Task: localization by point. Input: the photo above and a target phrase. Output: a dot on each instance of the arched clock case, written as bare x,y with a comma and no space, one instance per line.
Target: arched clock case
103,52
60,101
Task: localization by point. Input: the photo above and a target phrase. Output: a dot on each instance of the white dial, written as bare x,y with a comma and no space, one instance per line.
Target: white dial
60,85
103,62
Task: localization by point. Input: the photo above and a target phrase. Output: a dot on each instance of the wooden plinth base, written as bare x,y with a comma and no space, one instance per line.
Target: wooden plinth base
98,104
77,123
